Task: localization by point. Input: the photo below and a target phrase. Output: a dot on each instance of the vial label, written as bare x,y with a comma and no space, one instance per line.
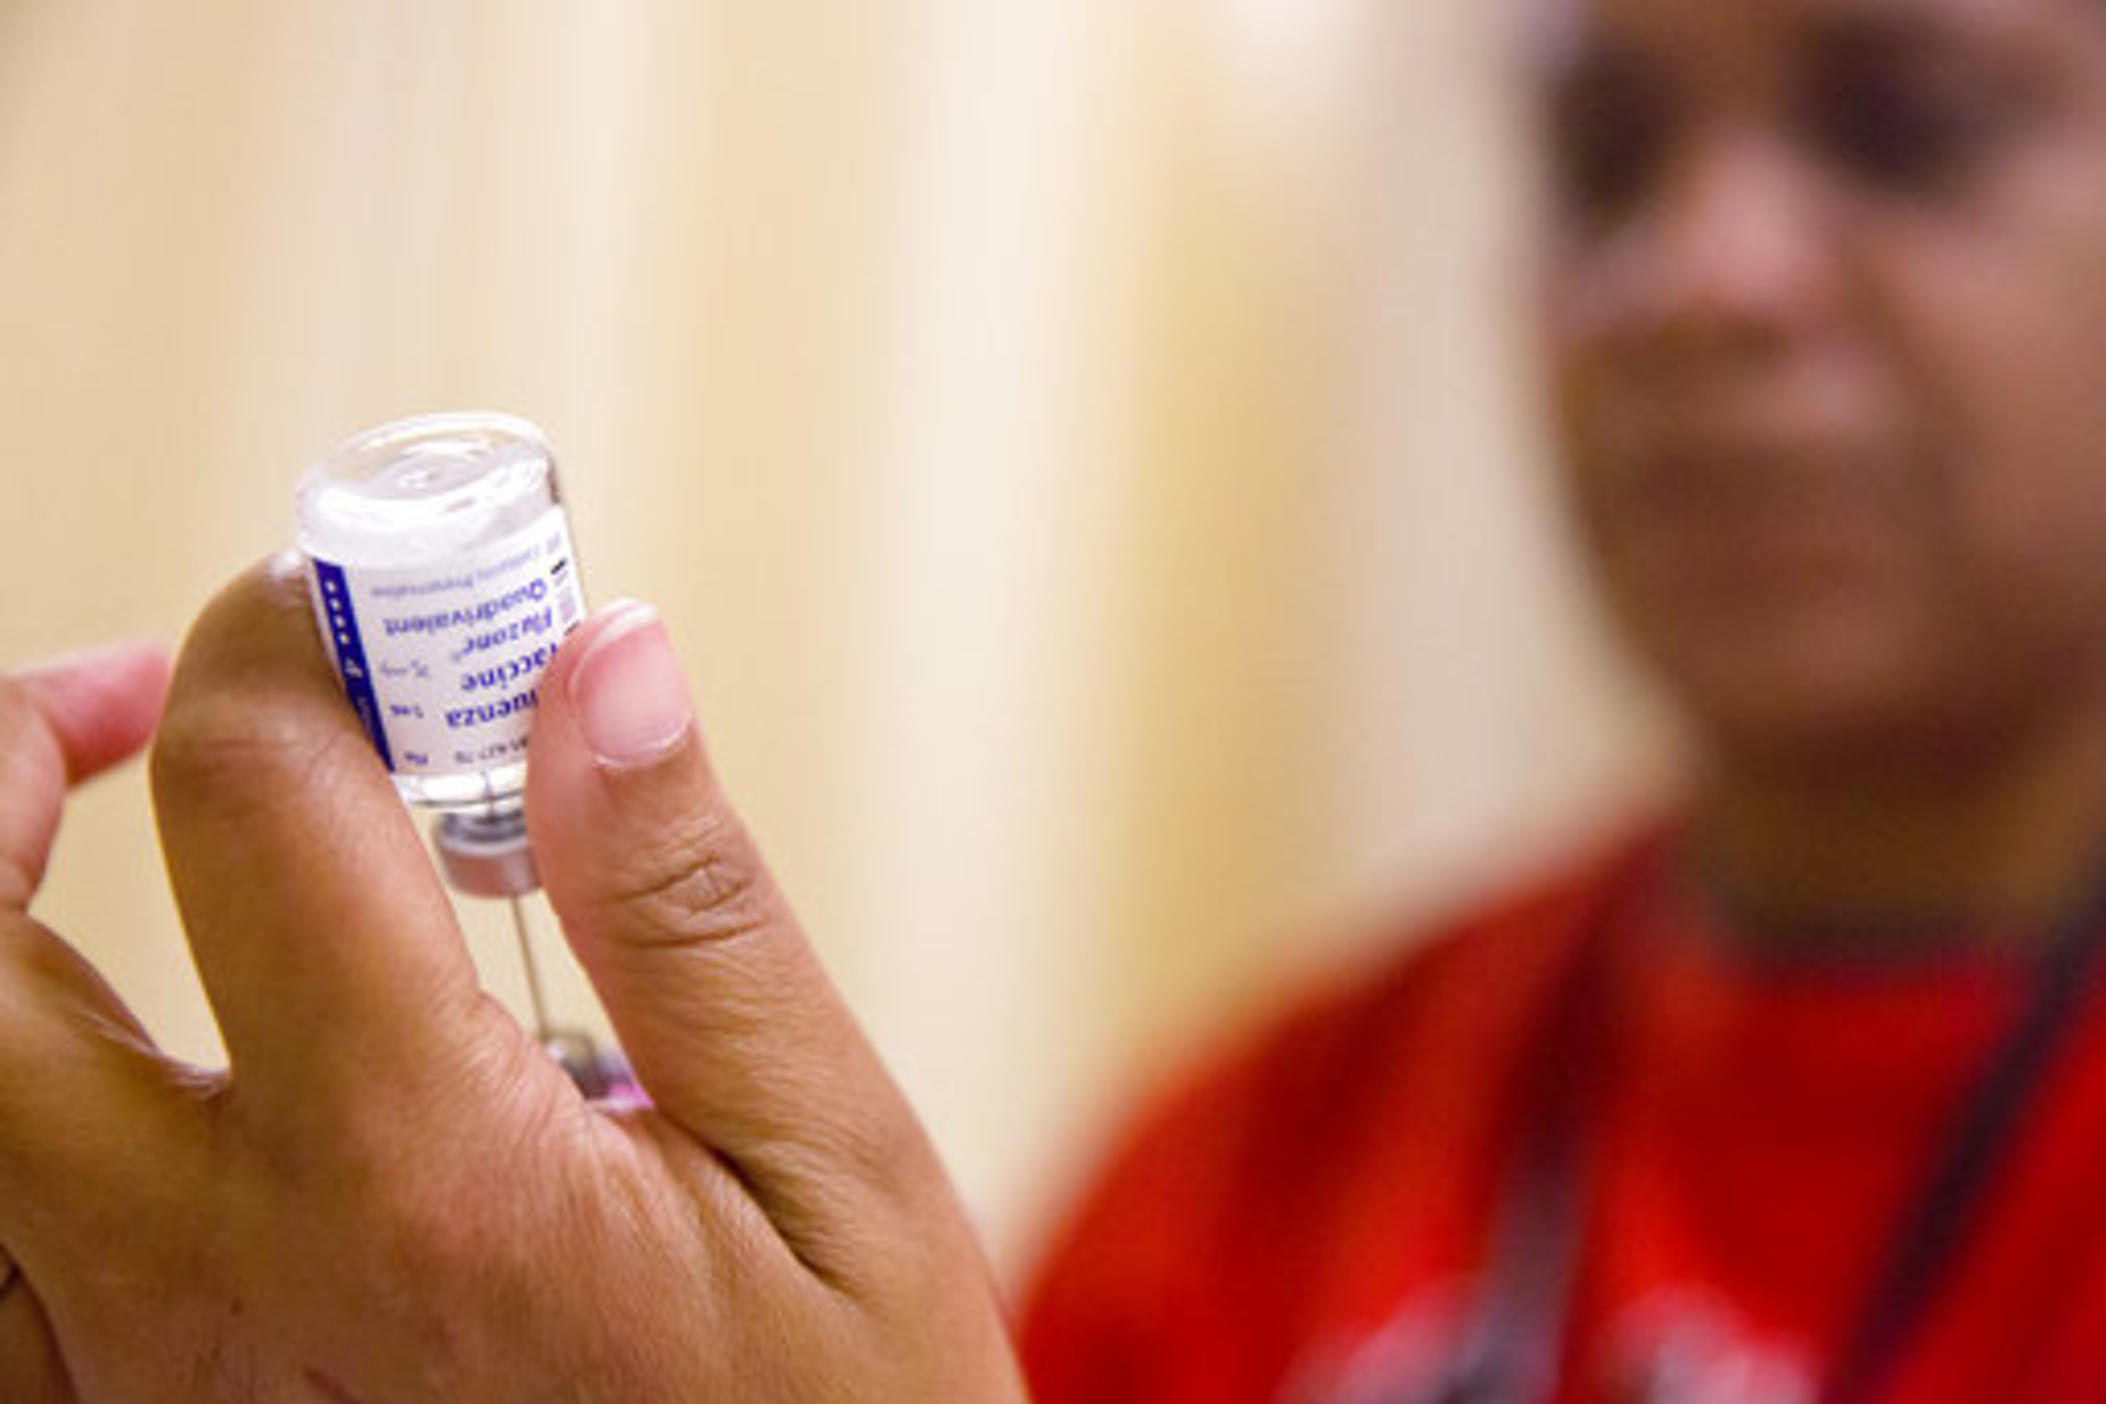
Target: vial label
443,664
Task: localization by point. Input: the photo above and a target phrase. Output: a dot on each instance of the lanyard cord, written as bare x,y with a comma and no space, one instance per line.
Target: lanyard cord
1510,1353
1948,1208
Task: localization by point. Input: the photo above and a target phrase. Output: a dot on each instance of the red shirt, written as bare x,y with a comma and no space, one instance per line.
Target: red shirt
1308,1220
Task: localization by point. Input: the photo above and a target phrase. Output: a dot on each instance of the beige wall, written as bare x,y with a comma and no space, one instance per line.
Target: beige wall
1080,449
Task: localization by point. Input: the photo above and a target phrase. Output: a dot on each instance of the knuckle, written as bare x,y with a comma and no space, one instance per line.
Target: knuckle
18,880
700,884
252,695
30,957
243,758
18,711
32,779
25,961
883,1168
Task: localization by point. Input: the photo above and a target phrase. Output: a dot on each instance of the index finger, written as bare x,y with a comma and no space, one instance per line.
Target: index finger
62,722
326,945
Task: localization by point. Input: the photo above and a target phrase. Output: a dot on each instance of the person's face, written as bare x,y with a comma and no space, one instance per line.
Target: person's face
1825,296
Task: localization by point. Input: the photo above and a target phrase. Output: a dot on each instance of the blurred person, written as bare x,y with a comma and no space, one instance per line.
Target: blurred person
1802,1093
1798,1094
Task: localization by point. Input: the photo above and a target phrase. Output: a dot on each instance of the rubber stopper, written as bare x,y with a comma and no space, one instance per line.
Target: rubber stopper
486,855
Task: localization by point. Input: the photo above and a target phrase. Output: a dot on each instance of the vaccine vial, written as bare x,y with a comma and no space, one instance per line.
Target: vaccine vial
440,563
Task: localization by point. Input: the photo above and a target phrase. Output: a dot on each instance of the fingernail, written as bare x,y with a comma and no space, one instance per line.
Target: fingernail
630,697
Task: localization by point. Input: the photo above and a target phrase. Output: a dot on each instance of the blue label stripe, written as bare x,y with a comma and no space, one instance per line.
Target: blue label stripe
350,651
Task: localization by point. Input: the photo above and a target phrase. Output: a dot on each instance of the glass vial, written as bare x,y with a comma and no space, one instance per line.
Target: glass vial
441,568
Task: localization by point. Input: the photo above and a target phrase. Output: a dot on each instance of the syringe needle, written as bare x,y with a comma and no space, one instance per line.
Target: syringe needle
533,973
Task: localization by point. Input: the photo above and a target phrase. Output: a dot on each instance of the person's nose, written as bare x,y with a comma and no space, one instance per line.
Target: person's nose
1735,261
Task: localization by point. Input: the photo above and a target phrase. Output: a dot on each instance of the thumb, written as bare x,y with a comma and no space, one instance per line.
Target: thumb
718,998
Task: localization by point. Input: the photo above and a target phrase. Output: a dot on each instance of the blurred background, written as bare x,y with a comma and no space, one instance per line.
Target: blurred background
1086,450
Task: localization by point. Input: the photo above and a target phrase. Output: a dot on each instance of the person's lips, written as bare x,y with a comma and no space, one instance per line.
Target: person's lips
1750,515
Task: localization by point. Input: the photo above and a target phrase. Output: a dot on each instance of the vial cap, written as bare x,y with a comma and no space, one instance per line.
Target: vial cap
422,489
486,855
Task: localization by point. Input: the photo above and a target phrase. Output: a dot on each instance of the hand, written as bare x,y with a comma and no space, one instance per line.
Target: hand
392,1194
